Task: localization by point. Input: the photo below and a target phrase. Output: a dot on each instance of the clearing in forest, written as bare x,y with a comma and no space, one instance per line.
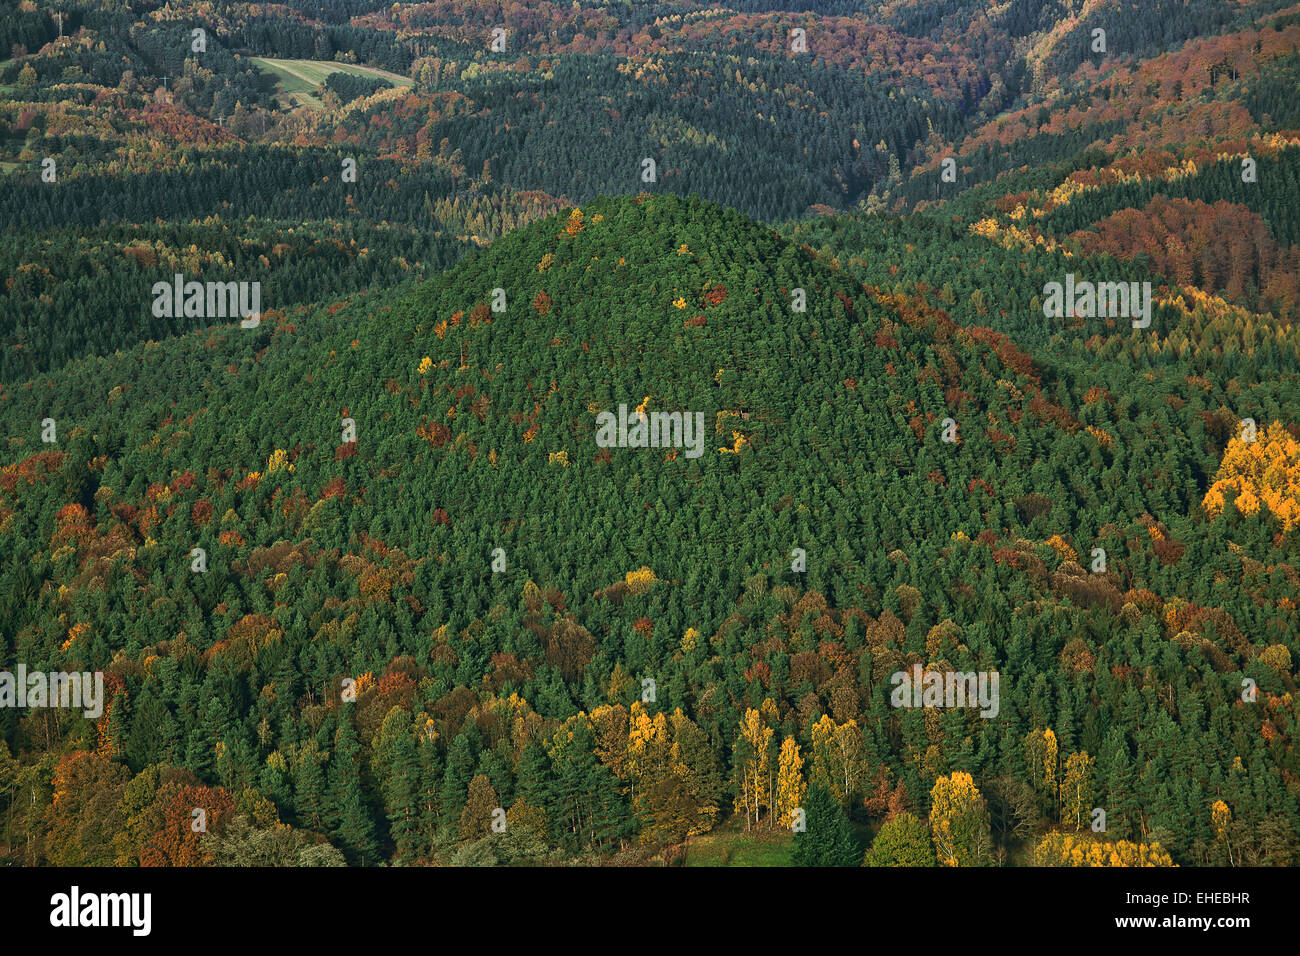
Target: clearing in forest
297,80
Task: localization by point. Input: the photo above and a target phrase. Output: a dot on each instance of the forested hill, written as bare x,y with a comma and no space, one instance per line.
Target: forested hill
426,590
225,154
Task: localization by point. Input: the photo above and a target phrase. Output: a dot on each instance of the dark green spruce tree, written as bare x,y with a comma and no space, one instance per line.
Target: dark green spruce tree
827,839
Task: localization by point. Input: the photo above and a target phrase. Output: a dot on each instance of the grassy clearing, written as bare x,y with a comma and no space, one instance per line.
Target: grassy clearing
732,846
297,80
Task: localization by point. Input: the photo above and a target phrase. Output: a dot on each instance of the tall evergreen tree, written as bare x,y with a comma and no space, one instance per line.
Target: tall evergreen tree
827,839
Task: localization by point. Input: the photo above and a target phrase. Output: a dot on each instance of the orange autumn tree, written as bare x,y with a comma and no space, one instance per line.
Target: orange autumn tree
1264,473
182,837
575,224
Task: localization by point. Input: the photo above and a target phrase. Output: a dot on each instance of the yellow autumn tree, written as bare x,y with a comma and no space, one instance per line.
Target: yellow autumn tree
671,767
1264,473
1220,817
278,461
1049,758
1040,760
647,746
480,804
1076,788
670,790
689,639
751,753
687,803
790,786
639,581
1062,548
609,727
619,681
522,814
1278,657
838,759
1069,849
959,822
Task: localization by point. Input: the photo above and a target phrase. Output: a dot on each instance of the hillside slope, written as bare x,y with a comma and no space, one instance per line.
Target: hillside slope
512,670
